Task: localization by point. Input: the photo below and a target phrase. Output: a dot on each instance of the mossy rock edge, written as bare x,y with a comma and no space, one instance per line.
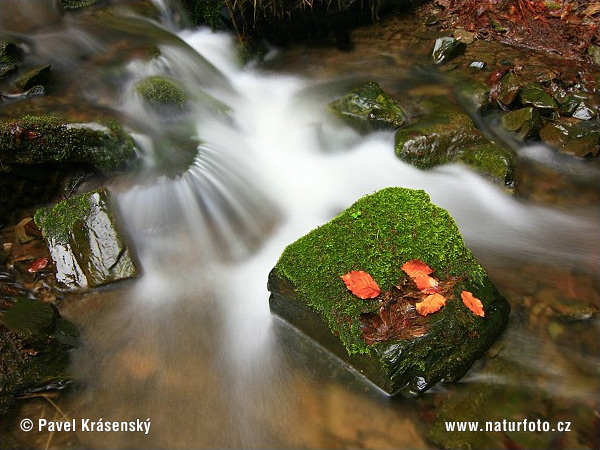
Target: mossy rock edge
378,234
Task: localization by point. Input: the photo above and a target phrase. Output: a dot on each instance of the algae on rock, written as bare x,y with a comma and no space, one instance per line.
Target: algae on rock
160,91
85,243
378,234
42,139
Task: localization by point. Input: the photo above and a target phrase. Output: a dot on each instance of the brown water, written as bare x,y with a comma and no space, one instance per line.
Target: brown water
192,346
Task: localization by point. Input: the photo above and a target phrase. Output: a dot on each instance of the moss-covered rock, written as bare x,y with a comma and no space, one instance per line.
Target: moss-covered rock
378,234
37,75
368,107
533,94
85,243
492,160
34,341
509,88
160,92
437,139
42,139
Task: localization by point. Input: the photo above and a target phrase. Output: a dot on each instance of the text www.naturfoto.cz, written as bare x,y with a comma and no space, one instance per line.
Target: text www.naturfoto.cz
509,425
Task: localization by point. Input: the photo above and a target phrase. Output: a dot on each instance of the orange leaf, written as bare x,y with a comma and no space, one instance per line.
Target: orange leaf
361,284
38,264
415,268
473,303
430,304
426,284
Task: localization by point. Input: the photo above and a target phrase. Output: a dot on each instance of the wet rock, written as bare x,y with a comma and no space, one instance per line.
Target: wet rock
26,231
85,243
570,103
525,122
477,65
473,95
368,107
7,69
510,87
161,92
41,139
37,75
572,136
445,49
584,112
492,160
34,343
378,234
437,138
594,52
33,92
464,36
76,4
533,94
9,52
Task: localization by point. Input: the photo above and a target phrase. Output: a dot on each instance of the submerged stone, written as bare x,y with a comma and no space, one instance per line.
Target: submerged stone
572,136
436,139
445,49
42,139
570,103
524,122
509,88
35,76
85,243
378,234
369,107
34,344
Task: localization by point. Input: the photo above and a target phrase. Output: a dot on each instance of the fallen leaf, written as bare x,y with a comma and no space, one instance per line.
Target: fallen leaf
426,284
361,284
430,304
415,268
38,264
473,303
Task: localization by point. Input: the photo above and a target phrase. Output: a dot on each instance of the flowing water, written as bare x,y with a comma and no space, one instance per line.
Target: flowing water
191,345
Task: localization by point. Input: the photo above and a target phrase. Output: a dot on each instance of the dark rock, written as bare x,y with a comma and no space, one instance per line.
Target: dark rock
26,231
41,139
533,94
378,234
85,243
572,136
368,107
32,77
445,49
570,103
525,122
436,139
510,87
34,343
7,69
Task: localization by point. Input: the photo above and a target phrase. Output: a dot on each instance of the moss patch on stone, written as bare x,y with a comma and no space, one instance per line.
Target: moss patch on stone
160,91
42,139
492,160
378,234
59,220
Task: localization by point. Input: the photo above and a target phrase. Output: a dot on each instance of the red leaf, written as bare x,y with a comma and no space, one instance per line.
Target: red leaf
38,264
426,284
361,284
415,268
473,303
430,304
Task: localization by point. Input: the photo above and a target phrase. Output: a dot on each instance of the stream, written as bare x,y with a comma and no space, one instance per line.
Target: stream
192,346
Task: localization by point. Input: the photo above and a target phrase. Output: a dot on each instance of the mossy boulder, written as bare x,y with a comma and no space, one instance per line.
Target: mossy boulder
492,160
368,107
84,241
378,234
525,123
437,139
571,136
43,139
161,92
34,343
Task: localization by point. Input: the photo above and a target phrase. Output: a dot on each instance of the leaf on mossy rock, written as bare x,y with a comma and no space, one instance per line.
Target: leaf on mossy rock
361,284
473,303
416,267
430,304
427,284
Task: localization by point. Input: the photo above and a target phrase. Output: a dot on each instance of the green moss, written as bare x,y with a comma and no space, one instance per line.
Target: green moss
77,4
490,159
377,234
203,12
41,139
59,220
159,91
